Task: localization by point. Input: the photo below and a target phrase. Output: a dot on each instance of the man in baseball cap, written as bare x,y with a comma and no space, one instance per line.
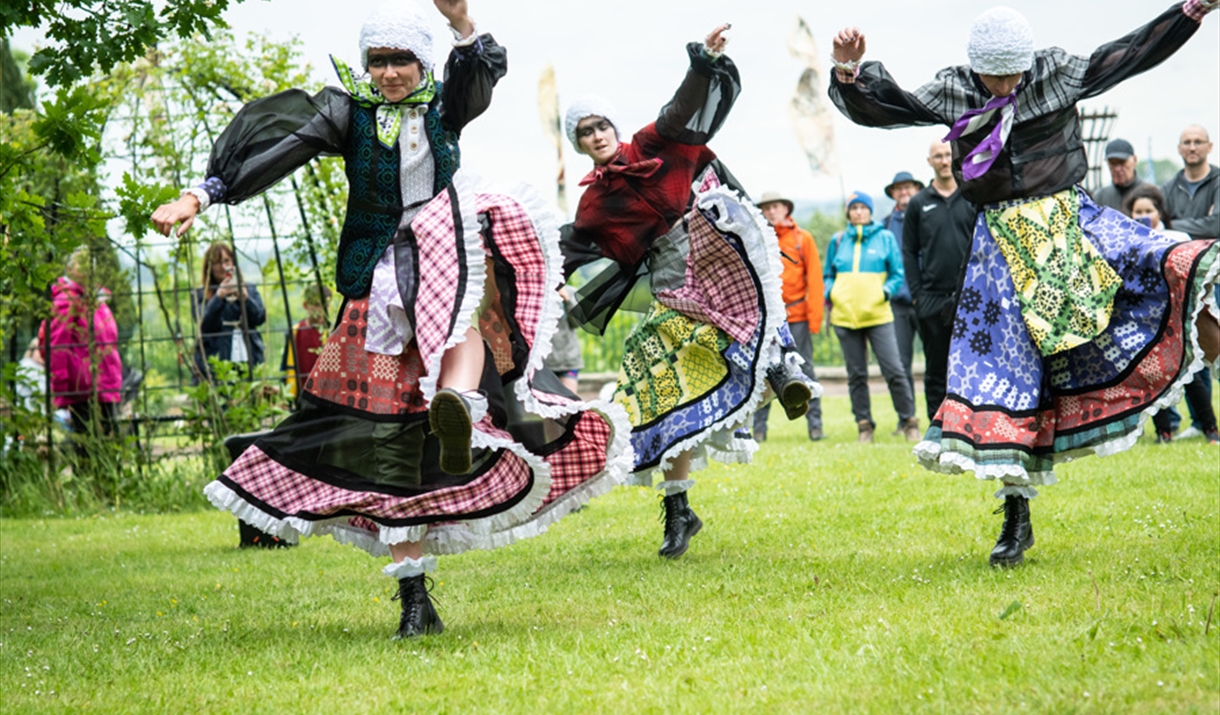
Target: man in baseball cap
1120,156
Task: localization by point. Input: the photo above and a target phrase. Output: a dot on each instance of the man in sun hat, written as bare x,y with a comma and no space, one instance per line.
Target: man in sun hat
901,189
801,280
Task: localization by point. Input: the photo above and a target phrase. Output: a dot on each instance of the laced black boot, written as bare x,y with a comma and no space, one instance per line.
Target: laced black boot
791,389
1016,535
419,616
681,523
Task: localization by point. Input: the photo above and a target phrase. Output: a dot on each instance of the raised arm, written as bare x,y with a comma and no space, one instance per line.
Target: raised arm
1140,50
868,95
705,97
474,67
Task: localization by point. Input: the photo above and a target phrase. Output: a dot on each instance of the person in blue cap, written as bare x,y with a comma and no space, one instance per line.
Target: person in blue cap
863,272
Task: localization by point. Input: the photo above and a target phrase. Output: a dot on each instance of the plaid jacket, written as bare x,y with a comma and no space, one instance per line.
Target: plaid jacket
1044,154
622,215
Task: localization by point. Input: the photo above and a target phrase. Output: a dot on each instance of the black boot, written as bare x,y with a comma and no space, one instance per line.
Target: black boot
681,523
449,419
249,536
1016,535
419,616
254,537
790,389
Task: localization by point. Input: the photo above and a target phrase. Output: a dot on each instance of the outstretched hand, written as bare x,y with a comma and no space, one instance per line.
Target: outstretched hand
455,12
849,45
716,40
182,211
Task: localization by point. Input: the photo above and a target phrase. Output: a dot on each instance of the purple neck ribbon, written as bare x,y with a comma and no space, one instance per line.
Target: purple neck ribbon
980,159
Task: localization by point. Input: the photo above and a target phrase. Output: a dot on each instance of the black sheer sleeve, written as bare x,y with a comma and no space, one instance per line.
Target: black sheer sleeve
1137,52
470,74
703,100
876,100
273,136
577,249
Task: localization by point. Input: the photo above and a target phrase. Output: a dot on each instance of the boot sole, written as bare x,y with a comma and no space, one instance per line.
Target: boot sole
698,527
795,399
450,422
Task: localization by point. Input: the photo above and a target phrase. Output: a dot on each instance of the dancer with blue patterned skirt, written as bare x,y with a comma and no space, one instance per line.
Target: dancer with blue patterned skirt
1074,323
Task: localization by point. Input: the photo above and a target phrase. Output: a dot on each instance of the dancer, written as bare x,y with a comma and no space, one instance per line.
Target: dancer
1074,323
403,441
694,368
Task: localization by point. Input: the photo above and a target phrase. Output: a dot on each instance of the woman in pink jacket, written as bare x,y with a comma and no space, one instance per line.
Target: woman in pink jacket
83,354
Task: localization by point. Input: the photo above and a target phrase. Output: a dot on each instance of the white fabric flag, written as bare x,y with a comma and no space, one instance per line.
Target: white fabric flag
810,109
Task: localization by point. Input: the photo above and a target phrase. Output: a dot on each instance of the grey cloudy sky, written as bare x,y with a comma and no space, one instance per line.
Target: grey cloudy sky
631,52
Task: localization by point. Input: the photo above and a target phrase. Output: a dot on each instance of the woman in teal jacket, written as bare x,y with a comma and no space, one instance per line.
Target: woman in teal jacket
863,271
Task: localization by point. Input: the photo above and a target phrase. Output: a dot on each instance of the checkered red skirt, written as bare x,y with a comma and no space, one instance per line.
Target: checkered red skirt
358,460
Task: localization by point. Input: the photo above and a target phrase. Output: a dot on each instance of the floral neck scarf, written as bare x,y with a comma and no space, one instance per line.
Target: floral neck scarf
389,114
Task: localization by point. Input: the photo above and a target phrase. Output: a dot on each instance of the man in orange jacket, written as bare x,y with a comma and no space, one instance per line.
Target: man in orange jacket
802,291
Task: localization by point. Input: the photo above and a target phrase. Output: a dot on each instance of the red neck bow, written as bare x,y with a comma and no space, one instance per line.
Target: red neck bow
640,169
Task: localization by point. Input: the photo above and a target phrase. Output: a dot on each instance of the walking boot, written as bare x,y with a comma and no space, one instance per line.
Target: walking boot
1016,535
450,420
910,429
419,616
254,537
681,523
250,536
866,431
791,388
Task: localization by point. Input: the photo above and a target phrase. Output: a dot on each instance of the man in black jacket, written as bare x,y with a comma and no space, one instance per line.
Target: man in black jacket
936,235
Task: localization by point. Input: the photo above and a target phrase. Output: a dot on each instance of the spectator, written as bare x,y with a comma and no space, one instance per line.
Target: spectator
801,280
82,338
863,270
306,339
1190,198
1192,194
935,242
1120,156
1147,204
901,189
32,378
565,359
226,309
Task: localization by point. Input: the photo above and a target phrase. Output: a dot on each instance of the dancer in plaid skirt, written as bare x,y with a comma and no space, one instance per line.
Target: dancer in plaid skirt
714,327
1074,323
428,424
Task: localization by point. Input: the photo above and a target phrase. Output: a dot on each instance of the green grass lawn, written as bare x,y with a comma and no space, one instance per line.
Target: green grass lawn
829,578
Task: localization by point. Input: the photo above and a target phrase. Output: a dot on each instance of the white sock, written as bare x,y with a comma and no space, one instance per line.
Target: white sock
1018,490
675,486
476,402
409,567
